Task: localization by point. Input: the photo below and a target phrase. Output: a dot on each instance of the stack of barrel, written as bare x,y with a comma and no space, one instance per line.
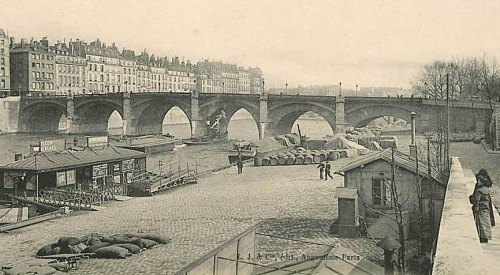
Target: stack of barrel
296,156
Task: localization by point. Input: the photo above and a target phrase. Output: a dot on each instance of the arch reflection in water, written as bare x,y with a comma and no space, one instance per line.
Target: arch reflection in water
115,123
313,125
242,126
176,123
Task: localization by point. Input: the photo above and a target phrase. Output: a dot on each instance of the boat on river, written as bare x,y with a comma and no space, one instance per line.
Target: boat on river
148,144
202,141
242,150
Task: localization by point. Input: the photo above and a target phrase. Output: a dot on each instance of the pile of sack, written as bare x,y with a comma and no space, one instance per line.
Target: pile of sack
117,246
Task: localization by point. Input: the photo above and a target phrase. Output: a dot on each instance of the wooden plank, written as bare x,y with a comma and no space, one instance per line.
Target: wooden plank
34,220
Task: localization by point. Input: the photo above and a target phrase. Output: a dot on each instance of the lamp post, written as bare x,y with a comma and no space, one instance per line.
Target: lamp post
412,116
286,87
356,91
263,85
340,88
126,86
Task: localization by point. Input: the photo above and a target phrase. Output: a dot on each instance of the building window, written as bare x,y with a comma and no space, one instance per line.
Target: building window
381,192
2,52
2,83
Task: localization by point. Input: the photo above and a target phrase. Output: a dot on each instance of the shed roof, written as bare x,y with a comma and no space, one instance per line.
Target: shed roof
53,161
400,159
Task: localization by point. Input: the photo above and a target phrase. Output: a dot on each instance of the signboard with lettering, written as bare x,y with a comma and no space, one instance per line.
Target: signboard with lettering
128,165
99,171
30,182
52,145
70,177
11,178
97,141
61,179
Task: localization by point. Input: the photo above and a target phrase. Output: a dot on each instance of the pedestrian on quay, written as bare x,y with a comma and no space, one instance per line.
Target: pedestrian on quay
240,166
321,167
328,168
482,207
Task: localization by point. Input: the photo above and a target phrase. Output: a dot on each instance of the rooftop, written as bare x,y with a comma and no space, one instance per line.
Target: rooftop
400,159
53,161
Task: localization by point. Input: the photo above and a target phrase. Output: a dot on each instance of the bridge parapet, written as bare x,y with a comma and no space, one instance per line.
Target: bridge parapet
458,250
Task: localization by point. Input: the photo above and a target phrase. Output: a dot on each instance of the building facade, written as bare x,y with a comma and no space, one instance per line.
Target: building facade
71,74
86,68
32,67
4,64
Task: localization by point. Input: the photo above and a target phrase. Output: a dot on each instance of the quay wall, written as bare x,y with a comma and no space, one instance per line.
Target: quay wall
9,114
458,250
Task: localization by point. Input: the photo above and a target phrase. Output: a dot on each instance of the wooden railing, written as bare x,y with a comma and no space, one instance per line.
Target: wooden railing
74,199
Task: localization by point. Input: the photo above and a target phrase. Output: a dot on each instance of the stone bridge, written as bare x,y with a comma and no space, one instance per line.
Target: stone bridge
143,113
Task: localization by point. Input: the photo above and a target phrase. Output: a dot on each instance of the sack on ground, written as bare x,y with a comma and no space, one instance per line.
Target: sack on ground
132,248
151,236
95,246
46,250
67,241
111,252
147,243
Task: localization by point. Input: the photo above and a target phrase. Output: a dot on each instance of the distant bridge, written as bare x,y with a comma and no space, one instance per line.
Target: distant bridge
143,113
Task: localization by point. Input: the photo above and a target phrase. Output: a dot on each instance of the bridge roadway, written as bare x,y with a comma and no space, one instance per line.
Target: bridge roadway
143,113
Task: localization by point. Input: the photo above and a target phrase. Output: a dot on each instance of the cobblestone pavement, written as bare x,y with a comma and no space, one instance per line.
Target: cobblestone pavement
196,217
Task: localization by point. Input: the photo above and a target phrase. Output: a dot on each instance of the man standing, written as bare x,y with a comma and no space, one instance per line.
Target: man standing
240,166
328,168
321,167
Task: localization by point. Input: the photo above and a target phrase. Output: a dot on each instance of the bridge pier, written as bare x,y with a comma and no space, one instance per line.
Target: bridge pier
129,128
71,127
340,122
198,126
263,116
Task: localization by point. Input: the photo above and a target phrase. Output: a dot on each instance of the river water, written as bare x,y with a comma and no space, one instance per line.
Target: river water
205,157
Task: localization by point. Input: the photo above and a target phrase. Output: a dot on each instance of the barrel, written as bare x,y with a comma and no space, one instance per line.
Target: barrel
257,160
273,160
332,155
265,161
282,159
290,159
299,159
323,155
316,156
308,159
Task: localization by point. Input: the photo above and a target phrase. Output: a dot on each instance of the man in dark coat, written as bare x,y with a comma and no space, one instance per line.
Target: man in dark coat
321,167
240,166
328,168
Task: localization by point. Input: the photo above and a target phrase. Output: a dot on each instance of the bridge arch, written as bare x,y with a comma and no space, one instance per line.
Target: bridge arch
93,116
360,117
150,114
41,117
209,110
283,116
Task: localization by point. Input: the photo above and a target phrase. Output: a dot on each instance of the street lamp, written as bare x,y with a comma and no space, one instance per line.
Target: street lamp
126,86
412,116
356,90
263,85
340,88
286,87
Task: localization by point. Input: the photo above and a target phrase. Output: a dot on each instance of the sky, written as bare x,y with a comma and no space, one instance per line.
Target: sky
369,43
